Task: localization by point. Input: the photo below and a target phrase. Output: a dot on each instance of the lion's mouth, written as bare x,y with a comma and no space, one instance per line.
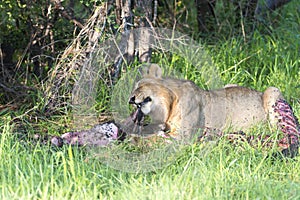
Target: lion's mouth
138,116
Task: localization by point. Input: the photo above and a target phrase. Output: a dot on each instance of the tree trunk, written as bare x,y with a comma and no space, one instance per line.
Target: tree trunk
205,10
144,23
268,5
134,41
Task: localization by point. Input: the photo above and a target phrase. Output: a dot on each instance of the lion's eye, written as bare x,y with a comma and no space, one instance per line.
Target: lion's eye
132,100
148,99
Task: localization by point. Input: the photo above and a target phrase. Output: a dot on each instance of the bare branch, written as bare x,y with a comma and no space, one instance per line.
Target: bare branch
64,13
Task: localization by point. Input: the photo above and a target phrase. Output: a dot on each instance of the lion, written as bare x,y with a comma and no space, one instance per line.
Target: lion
180,107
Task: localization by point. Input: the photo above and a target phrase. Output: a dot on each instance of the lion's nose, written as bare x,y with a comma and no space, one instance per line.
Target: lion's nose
132,100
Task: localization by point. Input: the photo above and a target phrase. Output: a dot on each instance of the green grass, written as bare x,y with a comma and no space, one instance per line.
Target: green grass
222,172
207,171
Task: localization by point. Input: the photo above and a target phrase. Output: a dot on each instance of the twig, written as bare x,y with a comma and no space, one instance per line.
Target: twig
65,14
154,12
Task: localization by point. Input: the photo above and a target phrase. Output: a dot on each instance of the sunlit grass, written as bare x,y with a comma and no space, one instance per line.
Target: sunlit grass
222,172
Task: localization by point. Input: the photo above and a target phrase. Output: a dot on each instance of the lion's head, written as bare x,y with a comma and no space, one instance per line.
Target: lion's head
151,96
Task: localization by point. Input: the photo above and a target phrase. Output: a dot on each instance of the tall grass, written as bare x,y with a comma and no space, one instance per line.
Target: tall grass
30,170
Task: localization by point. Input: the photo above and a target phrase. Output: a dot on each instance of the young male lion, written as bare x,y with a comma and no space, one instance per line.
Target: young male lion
181,108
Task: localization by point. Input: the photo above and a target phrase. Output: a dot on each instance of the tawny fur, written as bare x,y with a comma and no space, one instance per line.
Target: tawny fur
184,108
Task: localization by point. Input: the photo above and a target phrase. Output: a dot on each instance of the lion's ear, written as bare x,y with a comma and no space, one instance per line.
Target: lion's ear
152,71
